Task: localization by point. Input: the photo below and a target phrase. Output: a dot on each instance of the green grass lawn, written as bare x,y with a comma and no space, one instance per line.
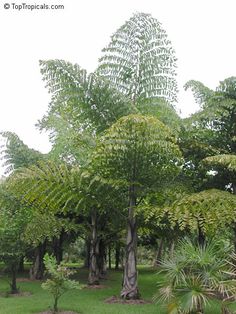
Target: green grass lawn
85,301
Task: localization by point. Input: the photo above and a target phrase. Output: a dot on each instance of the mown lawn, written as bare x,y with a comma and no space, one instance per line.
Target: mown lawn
86,301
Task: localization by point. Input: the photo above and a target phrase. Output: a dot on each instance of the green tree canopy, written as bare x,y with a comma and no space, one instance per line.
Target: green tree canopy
16,154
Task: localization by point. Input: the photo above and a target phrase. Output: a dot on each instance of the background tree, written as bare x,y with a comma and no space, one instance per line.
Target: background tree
33,187
212,130
63,198
13,222
16,154
207,212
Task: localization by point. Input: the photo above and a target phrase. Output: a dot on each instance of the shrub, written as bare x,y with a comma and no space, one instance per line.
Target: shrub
59,281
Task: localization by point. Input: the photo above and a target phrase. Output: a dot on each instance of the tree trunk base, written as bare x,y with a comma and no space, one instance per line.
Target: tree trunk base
94,283
130,294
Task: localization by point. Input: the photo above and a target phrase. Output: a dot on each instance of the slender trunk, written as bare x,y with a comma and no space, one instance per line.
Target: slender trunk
87,252
14,289
109,257
122,258
102,263
234,225
234,240
57,247
234,188
201,237
93,278
37,269
21,265
55,306
130,282
159,253
172,249
117,255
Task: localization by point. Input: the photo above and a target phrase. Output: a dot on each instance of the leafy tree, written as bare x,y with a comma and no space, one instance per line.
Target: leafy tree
16,154
64,197
13,222
59,281
206,212
137,153
214,126
47,221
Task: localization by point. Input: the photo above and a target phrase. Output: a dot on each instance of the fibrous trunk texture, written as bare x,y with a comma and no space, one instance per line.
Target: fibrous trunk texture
130,280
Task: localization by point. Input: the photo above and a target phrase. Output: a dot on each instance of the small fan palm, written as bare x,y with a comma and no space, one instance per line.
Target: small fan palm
195,275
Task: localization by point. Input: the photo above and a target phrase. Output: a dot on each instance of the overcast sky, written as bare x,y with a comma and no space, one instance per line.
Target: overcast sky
202,33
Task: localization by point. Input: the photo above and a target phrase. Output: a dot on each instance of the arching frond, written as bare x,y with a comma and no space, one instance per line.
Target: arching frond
84,100
201,93
140,60
16,154
228,87
47,186
138,150
209,210
226,161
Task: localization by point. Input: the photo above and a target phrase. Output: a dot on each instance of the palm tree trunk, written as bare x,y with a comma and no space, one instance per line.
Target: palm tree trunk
93,278
109,257
101,260
87,252
14,289
201,237
57,247
37,269
117,255
130,280
21,265
159,253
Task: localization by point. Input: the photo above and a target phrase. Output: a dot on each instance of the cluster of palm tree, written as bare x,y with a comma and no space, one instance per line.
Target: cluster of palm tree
122,154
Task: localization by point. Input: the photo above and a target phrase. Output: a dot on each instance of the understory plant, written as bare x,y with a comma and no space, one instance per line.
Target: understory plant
193,276
59,281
